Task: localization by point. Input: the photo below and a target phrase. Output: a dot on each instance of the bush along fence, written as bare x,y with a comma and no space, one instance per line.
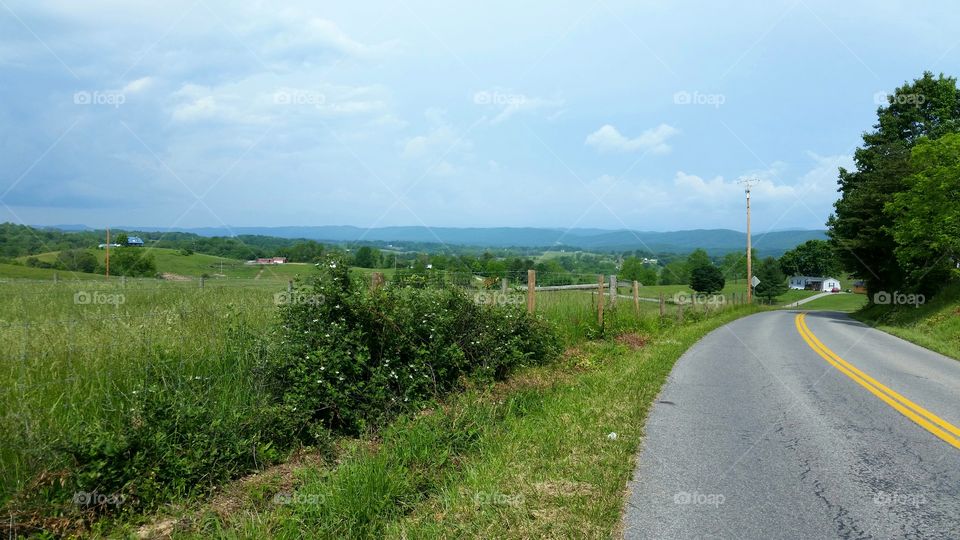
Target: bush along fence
343,355
124,395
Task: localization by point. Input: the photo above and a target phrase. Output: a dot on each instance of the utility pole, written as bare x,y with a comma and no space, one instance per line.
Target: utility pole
747,184
108,253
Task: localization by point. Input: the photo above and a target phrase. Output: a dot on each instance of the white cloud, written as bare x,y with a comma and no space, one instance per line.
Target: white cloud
138,85
609,139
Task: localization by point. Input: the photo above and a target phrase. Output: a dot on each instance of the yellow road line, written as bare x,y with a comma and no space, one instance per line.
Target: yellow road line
929,421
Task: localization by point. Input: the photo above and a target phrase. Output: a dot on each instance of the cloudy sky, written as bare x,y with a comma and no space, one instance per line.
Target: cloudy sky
608,113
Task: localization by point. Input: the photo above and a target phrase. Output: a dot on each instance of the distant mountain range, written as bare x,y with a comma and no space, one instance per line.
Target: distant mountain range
714,241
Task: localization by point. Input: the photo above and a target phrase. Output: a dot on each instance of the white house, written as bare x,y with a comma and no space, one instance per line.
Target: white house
825,284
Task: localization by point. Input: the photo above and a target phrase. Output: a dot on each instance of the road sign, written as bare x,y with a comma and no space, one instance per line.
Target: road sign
755,281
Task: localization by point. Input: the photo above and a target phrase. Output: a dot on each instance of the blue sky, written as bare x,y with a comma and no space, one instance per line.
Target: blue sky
609,114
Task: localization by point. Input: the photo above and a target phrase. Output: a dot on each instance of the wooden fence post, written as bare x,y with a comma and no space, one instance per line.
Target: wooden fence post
636,297
661,305
376,281
56,277
201,281
600,300
531,290
504,285
680,312
290,287
613,290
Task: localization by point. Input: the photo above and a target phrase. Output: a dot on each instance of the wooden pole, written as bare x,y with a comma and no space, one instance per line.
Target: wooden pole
600,300
504,285
749,253
531,290
661,305
636,297
376,281
107,264
613,290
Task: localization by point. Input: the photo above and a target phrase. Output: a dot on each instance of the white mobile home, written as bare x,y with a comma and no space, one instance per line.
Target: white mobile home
811,283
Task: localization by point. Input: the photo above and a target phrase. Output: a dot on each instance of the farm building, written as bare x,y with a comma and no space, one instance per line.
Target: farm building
810,283
134,241
270,260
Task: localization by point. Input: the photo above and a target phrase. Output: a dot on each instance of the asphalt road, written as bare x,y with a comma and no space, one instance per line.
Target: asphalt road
757,435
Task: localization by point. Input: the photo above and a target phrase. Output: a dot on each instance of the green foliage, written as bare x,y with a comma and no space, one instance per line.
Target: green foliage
927,215
860,228
120,238
811,258
350,358
675,273
132,262
707,279
772,281
77,260
634,270
367,257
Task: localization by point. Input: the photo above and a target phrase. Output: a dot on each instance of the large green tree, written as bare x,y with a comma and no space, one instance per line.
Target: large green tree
811,258
633,269
927,215
772,281
707,279
860,228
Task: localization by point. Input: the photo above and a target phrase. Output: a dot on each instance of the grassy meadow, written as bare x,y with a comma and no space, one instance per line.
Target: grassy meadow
86,355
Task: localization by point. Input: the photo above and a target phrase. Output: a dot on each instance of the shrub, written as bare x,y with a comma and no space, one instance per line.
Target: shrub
349,358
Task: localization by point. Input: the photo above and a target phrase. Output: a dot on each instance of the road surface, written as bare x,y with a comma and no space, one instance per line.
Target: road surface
782,425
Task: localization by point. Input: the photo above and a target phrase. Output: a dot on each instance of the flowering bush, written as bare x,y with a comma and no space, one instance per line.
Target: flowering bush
349,357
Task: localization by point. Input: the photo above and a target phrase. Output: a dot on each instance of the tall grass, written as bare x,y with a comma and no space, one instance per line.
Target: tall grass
69,367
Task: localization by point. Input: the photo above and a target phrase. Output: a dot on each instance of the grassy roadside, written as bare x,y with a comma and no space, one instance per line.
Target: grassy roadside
934,325
530,457
845,302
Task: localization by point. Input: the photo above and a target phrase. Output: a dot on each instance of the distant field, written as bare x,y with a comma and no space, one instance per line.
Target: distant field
194,265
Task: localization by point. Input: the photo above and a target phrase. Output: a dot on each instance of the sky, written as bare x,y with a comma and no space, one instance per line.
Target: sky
587,114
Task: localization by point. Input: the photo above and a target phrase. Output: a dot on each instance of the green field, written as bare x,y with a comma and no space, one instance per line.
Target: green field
845,302
171,261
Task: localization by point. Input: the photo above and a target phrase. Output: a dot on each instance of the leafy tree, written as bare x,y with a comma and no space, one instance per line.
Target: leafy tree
675,273
772,281
927,216
811,258
77,260
707,279
860,228
120,238
633,269
132,262
367,257
697,259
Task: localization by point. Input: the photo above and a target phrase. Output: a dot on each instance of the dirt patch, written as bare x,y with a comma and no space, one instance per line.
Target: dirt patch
563,488
634,341
169,276
250,491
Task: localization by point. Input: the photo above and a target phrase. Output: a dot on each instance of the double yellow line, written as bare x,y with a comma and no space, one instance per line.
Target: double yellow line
929,421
